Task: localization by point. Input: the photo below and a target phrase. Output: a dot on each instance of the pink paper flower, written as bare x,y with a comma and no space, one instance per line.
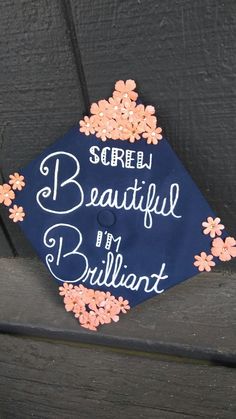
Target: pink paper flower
17,181
148,122
109,299
204,262
6,194
128,111
81,291
69,301
102,316
100,109
105,129
213,227
120,118
92,307
112,310
135,132
65,289
88,321
152,134
79,309
94,298
123,304
87,125
144,112
224,250
125,90
114,108
16,213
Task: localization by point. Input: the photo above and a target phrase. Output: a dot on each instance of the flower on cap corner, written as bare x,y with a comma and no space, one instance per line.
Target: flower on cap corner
204,262
100,109
123,304
92,307
114,108
152,134
120,118
109,298
81,291
213,227
6,194
79,309
89,321
224,250
96,300
69,301
16,213
87,125
112,310
103,132
66,289
129,111
17,181
124,90
102,316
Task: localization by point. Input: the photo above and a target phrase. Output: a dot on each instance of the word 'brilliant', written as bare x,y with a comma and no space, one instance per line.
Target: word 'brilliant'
138,196
65,252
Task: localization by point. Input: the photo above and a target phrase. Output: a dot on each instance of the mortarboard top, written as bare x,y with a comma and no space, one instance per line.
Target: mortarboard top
113,213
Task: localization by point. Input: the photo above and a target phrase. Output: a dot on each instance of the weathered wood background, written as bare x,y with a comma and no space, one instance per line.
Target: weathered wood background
174,355
180,52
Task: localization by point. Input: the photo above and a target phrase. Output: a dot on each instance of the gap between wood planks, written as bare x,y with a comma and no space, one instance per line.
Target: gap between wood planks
174,353
155,356
70,23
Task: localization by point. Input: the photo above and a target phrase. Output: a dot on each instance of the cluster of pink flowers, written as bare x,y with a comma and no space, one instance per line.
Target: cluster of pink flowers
92,308
223,249
121,118
7,195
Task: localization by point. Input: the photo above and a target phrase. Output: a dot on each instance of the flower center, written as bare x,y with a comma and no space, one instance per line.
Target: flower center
6,195
153,133
125,95
101,114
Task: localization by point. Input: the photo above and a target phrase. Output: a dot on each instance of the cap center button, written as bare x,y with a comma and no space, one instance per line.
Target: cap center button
106,218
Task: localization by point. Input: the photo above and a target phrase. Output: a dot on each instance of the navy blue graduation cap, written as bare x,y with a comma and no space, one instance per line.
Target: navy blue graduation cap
112,212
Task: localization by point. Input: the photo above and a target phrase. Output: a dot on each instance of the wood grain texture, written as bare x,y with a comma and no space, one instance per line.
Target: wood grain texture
195,319
55,380
182,55
40,97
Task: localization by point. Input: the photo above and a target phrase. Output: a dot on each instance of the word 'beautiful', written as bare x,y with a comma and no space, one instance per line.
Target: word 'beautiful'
138,196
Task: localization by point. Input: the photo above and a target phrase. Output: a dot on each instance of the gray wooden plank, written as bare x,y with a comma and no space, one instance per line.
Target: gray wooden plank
182,55
5,250
55,380
40,93
195,319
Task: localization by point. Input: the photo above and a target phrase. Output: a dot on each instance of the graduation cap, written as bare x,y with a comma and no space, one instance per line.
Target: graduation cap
113,213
